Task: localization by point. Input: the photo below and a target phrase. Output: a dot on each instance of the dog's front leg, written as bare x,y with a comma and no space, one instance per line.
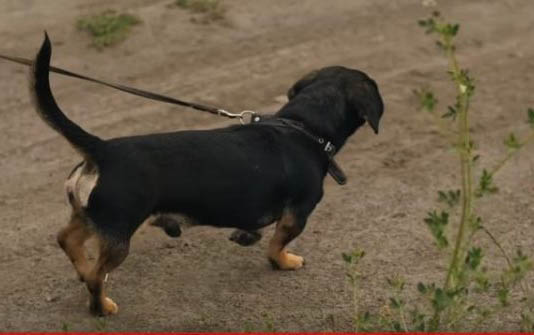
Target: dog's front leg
287,228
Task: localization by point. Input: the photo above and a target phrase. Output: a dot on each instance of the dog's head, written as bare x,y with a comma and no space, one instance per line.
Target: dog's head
361,92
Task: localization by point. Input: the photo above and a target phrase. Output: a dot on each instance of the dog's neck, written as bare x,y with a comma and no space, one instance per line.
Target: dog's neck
327,117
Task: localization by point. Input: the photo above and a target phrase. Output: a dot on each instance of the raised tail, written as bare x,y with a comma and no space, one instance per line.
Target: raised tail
86,144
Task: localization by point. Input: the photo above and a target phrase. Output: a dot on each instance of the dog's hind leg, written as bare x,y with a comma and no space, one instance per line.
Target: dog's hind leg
170,226
71,239
245,237
287,228
112,253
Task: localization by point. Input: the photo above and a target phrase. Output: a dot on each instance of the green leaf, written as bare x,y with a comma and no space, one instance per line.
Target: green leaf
521,265
476,223
473,258
421,288
441,300
466,82
502,295
449,29
394,303
427,100
482,282
530,117
437,222
451,197
354,257
429,25
512,142
485,185
451,113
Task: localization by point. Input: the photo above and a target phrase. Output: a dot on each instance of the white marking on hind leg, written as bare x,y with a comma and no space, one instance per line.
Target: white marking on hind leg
81,183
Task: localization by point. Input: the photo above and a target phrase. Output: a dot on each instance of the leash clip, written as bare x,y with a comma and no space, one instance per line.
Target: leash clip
244,113
241,116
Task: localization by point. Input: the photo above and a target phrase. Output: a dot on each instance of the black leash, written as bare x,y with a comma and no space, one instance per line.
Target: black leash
138,92
330,150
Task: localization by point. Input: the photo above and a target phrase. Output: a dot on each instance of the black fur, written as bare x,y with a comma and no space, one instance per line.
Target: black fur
239,176
245,238
169,225
89,145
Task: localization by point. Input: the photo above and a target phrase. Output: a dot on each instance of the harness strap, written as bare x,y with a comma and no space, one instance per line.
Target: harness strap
334,170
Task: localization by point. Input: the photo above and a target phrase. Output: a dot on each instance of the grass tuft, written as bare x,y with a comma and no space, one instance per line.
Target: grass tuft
211,10
107,28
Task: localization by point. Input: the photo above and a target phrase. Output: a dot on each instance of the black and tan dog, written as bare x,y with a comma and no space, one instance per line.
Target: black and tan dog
245,177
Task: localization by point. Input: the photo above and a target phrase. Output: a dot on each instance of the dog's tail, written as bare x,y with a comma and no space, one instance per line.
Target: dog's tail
86,144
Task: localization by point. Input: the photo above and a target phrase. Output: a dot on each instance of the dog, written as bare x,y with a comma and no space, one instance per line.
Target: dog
243,176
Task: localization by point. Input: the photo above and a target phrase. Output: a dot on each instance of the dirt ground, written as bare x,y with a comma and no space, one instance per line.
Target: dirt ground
202,281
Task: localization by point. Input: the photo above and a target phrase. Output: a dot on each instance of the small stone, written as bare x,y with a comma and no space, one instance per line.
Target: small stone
52,298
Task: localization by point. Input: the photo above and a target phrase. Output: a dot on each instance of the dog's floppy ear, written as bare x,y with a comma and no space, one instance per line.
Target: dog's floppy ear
365,98
299,85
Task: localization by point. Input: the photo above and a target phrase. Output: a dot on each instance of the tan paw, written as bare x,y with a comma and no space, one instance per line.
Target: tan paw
104,307
288,261
109,307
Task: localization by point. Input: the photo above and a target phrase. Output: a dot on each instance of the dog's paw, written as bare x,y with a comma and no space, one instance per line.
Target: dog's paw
169,225
287,261
104,307
245,238
110,307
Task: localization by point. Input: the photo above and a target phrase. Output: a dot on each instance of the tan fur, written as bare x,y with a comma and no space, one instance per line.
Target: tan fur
286,229
110,307
111,255
72,239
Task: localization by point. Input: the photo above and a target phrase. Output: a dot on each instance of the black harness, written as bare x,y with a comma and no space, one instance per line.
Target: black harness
327,147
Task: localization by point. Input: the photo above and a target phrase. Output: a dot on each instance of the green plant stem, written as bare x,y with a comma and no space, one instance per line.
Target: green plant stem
510,155
355,300
403,319
465,162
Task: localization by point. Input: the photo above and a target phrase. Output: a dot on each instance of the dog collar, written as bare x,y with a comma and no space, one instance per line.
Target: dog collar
334,170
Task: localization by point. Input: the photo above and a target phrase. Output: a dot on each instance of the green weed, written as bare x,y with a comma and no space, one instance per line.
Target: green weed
65,327
107,28
210,10
470,294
